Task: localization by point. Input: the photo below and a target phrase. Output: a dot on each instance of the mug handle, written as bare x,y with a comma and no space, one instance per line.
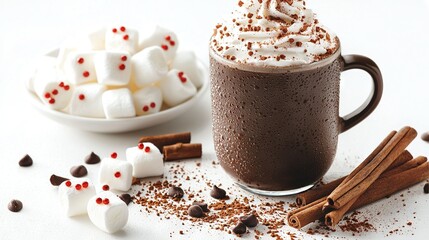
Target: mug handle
358,115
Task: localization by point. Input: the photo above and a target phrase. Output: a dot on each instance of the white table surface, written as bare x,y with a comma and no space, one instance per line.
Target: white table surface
393,33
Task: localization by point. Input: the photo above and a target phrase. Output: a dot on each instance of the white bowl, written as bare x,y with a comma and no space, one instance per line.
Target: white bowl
119,125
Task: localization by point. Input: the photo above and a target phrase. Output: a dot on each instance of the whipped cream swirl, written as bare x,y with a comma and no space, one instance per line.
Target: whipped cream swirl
275,33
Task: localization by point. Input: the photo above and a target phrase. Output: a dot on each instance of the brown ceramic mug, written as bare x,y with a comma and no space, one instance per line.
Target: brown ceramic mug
276,129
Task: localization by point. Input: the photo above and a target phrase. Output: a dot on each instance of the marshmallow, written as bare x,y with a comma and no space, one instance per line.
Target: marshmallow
164,38
96,39
86,101
149,66
146,159
113,68
122,39
116,173
118,103
188,62
108,212
148,100
28,73
52,89
176,88
75,194
79,67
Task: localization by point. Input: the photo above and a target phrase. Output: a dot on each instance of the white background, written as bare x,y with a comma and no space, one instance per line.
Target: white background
393,33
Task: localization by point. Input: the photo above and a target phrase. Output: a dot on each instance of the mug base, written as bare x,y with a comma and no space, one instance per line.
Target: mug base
274,193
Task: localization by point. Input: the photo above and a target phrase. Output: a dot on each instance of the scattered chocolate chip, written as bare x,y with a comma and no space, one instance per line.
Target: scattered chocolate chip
249,220
57,180
202,205
425,136
218,193
426,188
195,211
78,171
26,161
92,158
175,192
126,198
240,228
14,206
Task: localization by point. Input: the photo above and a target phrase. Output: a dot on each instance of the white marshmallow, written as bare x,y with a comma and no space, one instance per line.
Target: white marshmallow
164,38
146,160
96,39
122,39
118,103
86,101
28,72
74,198
110,217
52,89
116,173
79,67
147,100
176,88
188,62
149,66
112,68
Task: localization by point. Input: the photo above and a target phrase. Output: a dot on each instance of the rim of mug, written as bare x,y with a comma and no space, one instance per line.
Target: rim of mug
273,69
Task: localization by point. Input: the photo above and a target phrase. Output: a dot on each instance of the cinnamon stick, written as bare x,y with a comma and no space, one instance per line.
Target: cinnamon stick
182,151
381,188
368,174
167,139
324,190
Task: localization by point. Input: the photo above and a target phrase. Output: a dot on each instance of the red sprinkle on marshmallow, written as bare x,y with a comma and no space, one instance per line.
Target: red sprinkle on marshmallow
81,97
122,67
47,95
86,74
165,47
145,108
114,155
152,105
123,29
115,30
81,60
105,187
124,58
51,101
147,149
106,201
172,43
99,201
126,37
85,184
61,84
140,146
78,187
168,38
117,174
68,184
55,92
66,87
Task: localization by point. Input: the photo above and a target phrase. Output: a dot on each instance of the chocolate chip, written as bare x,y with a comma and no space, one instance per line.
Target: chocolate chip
426,188
78,171
126,198
202,205
14,206
57,180
425,136
249,220
26,161
92,158
218,193
240,228
175,192
195,211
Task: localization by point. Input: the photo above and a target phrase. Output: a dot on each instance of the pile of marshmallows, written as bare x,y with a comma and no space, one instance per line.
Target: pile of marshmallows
107,211
115,74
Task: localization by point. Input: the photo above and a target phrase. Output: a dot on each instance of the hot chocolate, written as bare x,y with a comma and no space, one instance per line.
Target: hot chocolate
275,83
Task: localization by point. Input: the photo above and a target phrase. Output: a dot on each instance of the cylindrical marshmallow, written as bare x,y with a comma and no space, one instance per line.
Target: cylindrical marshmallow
146,159
163,38
74,195
87,101
176,88
118,103
113,67
107,212
187,61
147,100
149,66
